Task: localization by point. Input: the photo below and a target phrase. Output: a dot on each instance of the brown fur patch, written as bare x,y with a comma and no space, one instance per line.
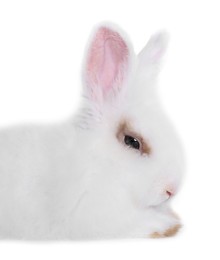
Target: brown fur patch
168,233
125,129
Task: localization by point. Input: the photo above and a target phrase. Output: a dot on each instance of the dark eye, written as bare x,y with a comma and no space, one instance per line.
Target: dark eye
132,142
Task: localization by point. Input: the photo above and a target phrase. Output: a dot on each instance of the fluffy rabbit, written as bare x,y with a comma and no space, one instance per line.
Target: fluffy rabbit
112,170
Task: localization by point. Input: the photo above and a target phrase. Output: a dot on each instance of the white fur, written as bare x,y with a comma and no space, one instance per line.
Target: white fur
77,181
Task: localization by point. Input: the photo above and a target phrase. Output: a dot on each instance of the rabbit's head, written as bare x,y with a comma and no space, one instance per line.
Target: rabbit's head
132,143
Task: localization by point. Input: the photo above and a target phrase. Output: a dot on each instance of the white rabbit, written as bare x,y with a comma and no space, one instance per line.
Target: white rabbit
112,170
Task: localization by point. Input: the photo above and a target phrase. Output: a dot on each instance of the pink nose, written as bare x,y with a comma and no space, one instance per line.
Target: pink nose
169,193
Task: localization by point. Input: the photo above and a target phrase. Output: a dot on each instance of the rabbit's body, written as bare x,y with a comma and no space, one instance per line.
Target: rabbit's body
34,173
82,179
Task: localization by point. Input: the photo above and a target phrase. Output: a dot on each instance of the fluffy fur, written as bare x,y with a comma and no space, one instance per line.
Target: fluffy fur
77,180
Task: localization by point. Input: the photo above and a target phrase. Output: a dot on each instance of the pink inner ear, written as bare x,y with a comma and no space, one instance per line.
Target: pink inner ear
109,65
107,61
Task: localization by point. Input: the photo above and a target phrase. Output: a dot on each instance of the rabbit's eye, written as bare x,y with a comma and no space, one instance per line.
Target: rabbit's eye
127,136
132,142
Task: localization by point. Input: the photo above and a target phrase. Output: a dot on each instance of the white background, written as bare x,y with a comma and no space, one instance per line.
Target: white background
41,49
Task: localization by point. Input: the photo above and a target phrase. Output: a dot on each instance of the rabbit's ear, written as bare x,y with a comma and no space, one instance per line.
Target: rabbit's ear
106,65
151,55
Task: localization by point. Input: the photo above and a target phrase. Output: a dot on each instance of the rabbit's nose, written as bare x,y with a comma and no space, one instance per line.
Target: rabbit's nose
169,193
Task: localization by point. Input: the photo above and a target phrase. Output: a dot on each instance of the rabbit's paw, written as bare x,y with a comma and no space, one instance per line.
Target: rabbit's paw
167,223
167,233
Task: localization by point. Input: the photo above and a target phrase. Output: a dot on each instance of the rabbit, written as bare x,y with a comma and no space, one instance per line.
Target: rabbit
112,169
